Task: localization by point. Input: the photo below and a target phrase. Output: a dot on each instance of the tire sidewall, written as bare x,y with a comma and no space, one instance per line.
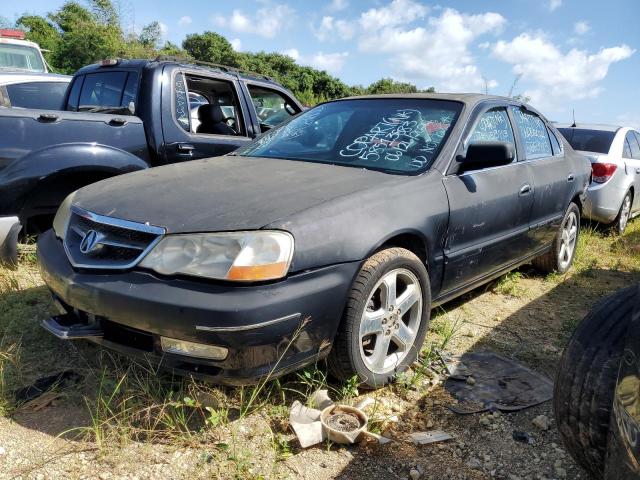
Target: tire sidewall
410,262
617,228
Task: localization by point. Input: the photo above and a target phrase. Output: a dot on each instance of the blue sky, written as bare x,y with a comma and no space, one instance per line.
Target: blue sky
566,54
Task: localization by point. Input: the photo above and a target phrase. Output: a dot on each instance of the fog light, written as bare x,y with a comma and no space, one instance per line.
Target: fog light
192,349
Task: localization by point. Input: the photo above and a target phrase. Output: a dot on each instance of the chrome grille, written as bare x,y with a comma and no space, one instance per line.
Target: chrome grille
97,241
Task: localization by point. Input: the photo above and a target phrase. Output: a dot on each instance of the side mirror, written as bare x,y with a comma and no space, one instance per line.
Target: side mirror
488,154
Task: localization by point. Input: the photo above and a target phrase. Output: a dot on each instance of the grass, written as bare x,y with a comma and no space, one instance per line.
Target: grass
124,401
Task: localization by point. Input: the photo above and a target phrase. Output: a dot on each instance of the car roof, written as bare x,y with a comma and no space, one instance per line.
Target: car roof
150,63
9,77
468,98
590,126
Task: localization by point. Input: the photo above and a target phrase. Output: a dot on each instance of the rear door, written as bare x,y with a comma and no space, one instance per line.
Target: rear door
184,133
550,173
632,164
490,207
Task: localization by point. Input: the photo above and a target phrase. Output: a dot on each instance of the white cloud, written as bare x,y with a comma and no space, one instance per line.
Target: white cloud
163,29
331,62
266,21
557,77
337,5
629,120
236,44
185,21
581,27
554,5
332,29
436,54
398,12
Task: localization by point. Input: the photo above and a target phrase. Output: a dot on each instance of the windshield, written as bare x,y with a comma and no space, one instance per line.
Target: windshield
20,57
394,135
598,141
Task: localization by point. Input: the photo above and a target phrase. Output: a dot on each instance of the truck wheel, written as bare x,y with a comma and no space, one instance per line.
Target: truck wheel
620,223
586,379
385,320
560,257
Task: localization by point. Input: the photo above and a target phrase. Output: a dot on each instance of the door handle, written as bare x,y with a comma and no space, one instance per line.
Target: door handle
525,190
186,148
571,177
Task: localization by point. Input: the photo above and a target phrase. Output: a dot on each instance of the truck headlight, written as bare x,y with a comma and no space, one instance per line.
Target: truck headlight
237,256
61,220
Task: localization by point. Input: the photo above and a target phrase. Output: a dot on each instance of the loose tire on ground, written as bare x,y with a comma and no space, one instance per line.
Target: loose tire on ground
551,261
348,356
586,378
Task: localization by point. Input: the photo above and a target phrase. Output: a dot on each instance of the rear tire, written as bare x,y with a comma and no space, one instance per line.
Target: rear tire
624,214
560,257
586,379
383,326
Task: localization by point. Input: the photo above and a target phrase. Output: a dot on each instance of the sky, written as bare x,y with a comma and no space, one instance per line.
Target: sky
566,55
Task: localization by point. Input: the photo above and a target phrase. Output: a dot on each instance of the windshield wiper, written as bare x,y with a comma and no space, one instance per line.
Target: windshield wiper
94,109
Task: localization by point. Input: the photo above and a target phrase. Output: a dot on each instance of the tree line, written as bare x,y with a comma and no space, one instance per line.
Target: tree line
78,34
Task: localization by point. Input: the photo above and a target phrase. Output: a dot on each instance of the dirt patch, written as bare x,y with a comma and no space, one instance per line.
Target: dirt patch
125,420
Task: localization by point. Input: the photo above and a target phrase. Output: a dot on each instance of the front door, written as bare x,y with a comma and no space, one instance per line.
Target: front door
490,208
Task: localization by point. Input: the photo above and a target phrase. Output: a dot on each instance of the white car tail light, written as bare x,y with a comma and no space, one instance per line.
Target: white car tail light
602,172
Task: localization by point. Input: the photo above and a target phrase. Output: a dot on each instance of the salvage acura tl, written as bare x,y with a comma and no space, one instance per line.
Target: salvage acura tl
332,235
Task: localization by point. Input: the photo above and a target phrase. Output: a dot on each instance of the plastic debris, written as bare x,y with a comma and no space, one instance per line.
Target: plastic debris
343,424
433,436
320,399
306,424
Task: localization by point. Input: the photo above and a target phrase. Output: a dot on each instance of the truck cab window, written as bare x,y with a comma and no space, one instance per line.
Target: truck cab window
107,92
214,108
272,107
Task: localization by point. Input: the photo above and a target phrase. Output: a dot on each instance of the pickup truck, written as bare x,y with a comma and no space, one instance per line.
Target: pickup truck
120,116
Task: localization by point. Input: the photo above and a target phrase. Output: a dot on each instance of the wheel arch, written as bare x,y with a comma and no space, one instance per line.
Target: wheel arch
412,240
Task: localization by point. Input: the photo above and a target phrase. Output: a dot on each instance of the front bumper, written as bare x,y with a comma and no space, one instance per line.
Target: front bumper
269,329
9,229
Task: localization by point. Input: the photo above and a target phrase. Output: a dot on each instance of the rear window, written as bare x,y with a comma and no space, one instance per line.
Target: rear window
597,141
38,95
392,135
104,92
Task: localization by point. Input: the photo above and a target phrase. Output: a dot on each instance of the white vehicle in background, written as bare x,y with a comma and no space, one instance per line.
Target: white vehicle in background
40,91
613,197
18,54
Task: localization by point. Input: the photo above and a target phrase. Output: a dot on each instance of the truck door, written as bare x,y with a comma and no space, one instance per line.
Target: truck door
270,106
489,209
202,115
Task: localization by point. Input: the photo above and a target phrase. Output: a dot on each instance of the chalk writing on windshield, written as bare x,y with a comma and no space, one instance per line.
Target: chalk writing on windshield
393,136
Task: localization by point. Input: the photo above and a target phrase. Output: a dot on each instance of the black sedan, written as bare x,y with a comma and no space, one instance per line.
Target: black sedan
333,235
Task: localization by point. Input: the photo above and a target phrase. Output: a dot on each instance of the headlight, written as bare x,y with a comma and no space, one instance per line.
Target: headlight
62,217
238,256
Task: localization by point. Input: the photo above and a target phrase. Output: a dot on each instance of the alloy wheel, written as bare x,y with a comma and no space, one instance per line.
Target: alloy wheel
390,321
625,211
568,240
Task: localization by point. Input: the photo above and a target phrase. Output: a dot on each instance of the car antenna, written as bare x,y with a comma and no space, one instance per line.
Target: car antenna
573,125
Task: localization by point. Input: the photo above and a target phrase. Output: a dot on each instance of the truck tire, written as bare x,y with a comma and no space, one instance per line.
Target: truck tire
385,320
560,257
586,379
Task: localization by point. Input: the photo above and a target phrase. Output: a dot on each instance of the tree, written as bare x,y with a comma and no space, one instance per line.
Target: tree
42,32
211,47
151,35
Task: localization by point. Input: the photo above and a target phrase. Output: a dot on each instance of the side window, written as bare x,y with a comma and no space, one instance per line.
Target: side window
37,95
633,144
556,144
74,94
493,126
626,149
181,102
213,108
272,107
533,133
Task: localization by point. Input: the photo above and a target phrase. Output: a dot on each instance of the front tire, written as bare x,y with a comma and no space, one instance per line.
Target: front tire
586,379
560,257
385,320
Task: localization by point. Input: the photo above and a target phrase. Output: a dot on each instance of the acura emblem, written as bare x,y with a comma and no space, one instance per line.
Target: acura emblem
90,242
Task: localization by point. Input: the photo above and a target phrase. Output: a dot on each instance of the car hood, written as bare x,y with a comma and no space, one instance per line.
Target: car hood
224,193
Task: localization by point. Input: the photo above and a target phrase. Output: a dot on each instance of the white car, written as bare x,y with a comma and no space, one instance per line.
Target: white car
18,54
614,151
40,91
